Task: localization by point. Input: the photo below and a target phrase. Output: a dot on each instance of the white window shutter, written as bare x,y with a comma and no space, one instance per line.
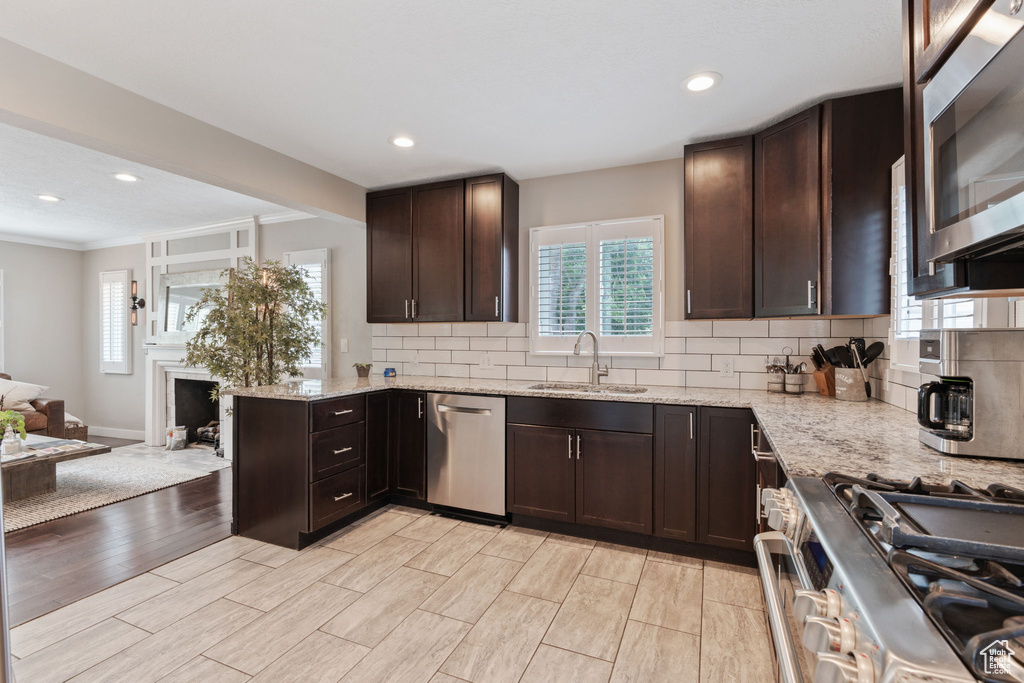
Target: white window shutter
115,326
316,266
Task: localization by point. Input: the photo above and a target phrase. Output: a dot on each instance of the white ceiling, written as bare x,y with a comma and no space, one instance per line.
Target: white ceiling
534,87
97,208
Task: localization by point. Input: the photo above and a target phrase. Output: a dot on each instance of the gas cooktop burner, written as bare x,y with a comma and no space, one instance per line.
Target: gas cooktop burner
960,552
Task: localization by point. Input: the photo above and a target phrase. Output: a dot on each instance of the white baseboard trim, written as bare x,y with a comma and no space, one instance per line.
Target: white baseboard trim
137,434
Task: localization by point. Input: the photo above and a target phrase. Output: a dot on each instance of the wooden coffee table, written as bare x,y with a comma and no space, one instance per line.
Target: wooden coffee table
36,475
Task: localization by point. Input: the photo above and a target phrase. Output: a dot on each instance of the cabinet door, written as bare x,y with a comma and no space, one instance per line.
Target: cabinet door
614,480
492,245
389,256
787,217
437,228
727,478
675,472
719,228
409,444
939,27
378,439
541,472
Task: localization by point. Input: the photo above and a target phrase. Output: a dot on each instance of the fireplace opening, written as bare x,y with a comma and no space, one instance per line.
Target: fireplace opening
194,408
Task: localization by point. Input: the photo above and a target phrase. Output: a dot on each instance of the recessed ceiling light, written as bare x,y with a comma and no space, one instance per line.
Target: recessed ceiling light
701,81
49,198
126,177
402,141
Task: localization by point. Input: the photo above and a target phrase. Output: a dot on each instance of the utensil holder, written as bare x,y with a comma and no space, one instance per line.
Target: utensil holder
850,385
826,380
794,383
776,383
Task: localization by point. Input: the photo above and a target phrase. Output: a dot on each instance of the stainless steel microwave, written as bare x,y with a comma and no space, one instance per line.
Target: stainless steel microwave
974,140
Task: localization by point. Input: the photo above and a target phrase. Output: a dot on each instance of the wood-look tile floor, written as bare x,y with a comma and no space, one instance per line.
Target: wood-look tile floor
404,596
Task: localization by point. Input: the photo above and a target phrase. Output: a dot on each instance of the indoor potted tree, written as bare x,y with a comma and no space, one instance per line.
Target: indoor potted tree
362,369
15,421
258,328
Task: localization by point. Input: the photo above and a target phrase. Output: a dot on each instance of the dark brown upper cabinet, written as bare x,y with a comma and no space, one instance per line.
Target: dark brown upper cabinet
822,234
718,228
492,248
444,252
437,238
939,26
389,248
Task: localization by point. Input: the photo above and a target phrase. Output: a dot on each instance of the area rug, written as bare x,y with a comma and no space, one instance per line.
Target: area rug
94,482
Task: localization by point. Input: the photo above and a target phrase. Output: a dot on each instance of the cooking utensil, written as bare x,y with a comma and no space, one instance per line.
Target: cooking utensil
873,352
843,356
818,358
855,352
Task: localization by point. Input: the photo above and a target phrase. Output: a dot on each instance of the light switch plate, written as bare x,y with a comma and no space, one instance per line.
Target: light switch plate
342,345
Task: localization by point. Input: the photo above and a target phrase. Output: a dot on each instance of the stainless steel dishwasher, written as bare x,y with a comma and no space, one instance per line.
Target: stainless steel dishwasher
466,452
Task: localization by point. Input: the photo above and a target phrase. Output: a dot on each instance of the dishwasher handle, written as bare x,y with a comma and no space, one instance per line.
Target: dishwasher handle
445,408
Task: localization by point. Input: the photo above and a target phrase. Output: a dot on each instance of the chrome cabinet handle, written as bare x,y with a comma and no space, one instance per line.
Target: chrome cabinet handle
342,412
406,309
812,299
691,425
346,449
343,497
414,309
757,509
689,308
753,438
570,446
578,446
419,408
496,310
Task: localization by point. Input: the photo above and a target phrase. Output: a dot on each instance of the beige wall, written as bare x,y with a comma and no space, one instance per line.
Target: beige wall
111,401
43,319
622,192
348,279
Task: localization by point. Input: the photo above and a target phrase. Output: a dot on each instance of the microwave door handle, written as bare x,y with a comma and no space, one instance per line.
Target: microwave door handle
924,405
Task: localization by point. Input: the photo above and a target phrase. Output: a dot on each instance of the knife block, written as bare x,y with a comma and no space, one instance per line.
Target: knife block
826,380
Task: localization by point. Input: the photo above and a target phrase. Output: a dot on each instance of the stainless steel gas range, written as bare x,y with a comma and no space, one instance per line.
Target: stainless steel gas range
871,580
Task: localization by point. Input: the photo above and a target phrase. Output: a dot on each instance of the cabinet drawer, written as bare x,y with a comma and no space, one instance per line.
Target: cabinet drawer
337,412
571,413
335,497
336,450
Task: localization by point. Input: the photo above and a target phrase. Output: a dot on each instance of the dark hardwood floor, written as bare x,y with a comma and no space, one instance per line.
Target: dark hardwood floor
56,563
111,441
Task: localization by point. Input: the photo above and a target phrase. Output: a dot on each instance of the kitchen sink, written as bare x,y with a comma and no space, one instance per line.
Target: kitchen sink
589,388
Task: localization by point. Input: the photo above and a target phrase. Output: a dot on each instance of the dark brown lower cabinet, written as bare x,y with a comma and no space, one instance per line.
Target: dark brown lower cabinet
727,478
675,472
613,480
409,444
541,472
378,445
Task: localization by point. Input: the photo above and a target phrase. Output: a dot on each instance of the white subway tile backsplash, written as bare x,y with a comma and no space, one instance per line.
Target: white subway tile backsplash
527,372
772,346
661,378
401,355
507,357
852,327
621,376
431,356
878,327
713,345
799,328
378,329
686,361
417,342
468,357
739,363
386,342
568,374
487,343
754,380
478,372
452,343
448,370
712,380
688,328
379,355
741,328
675,345
421,369
506,329
636,362
517,343
403,330
469,329
435,329
547,360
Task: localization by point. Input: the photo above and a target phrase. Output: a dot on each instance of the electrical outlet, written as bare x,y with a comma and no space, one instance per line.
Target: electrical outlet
486,361
726,369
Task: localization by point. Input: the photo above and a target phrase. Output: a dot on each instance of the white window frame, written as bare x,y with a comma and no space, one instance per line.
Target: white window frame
592,233
323,258
2,320
119,312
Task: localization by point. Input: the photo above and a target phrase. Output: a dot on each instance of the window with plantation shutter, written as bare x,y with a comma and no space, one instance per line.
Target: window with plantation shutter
315,265
115,332
605,277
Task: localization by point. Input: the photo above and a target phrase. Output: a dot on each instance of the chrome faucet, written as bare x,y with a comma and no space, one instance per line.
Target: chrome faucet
596,371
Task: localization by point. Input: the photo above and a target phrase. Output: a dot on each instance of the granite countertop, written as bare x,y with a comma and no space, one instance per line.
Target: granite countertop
811,434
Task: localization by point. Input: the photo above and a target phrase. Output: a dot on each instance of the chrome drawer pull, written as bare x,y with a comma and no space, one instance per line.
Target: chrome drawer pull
343,497
346,449
342,412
